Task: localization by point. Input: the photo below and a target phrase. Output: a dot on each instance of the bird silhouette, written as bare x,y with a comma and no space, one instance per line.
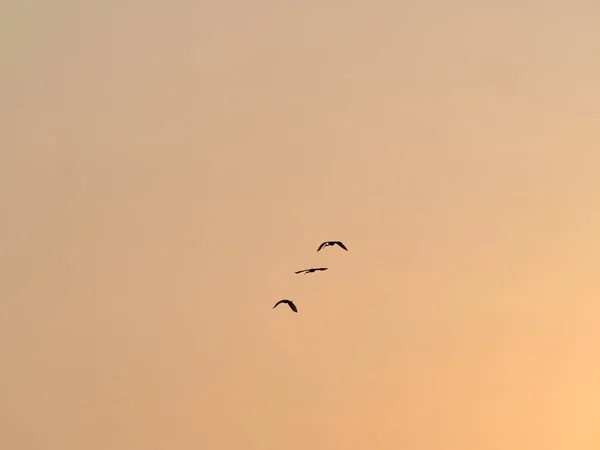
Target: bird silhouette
314,269
325,244
289,302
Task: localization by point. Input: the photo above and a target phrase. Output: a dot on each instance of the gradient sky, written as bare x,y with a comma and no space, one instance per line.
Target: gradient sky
166,167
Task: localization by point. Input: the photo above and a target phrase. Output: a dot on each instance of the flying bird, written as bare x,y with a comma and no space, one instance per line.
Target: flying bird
325,244
289,302
311,270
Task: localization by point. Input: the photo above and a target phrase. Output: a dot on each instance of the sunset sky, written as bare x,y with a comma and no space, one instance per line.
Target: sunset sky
165,167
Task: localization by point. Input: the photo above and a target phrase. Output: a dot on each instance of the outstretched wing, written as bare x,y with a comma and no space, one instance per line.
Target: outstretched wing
281,301
341,245
322,268
293,307
300,271
322,245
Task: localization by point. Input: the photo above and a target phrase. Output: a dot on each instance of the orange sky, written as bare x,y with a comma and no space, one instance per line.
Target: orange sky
166,167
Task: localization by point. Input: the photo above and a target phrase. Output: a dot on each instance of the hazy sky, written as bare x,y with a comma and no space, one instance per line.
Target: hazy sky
165,167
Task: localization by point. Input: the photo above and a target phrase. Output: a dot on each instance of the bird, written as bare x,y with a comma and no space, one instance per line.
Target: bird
311,270
289,302
325,244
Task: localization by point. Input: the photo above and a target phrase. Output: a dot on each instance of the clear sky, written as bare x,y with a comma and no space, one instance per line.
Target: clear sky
165,167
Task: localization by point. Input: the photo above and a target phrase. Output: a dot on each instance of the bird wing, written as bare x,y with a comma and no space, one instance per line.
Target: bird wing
322,245
300,271
293,306
341,245
281,301
322,268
